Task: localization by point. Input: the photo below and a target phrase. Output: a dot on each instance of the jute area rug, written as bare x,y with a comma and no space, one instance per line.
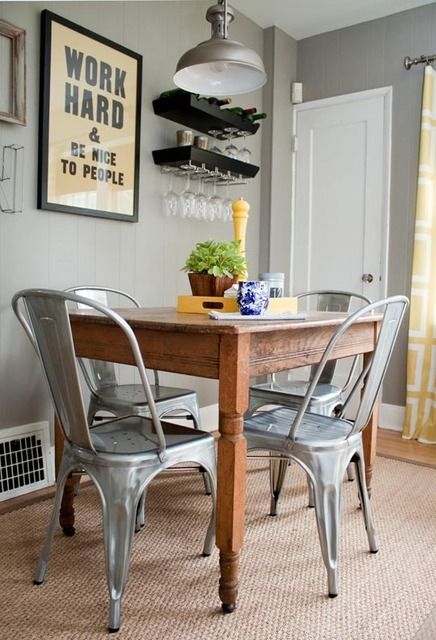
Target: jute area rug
172,590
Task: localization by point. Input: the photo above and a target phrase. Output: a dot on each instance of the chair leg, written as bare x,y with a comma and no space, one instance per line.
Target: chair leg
193,409
206,480
365,502
210,534
350,472
311,499
253,405
92,410
327,474
119,504
64,470
207,460
277,475
140,511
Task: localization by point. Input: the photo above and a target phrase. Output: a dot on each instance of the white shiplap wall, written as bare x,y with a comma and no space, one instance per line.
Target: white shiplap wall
47,249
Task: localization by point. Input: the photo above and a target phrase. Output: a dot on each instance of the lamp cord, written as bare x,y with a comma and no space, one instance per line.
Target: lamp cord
224,3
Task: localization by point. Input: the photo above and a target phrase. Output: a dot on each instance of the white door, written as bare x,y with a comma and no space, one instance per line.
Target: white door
341,193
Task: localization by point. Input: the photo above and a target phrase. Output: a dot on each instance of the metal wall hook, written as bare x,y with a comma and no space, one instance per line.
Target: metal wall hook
11,179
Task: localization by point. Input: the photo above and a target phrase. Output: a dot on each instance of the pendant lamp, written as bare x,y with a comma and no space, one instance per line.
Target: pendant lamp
220,66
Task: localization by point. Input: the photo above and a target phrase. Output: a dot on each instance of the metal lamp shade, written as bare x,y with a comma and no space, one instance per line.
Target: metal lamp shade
220,67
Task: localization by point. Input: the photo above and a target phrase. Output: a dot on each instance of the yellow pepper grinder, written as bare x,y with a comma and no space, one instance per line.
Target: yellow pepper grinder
240,218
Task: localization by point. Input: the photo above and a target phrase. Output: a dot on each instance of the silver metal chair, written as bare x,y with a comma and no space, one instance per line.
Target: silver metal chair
324,445
107,394
327,399
121,456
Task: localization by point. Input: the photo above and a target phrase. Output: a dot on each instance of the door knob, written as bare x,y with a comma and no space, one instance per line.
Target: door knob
367,277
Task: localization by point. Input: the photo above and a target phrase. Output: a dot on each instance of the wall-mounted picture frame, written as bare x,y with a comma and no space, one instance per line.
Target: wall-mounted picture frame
12,73
89,122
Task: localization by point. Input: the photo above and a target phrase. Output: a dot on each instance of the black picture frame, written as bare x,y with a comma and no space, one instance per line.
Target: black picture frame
89,122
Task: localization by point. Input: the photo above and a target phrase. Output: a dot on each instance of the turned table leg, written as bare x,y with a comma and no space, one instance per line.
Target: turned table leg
66,513
233,402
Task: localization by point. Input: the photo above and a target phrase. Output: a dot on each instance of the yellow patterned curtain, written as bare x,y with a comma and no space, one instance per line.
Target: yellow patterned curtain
421,357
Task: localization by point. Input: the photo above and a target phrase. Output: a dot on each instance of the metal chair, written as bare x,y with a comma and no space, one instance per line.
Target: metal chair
324,445
327,399
107,394
121,456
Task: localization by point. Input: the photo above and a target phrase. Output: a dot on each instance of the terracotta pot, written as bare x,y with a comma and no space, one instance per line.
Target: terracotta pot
203,284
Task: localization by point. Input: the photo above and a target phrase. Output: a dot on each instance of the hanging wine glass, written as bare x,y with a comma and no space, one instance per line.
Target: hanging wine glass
170,198
200,202
231,150
214,205
215,133
187,200
244,154
226,207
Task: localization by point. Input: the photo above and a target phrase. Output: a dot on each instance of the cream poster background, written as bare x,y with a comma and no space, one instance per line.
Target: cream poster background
91,163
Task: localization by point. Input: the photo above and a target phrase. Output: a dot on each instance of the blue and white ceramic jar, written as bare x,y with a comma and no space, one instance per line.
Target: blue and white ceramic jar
253,297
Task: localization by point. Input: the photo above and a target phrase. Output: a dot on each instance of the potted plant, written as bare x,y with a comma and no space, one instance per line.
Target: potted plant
214,265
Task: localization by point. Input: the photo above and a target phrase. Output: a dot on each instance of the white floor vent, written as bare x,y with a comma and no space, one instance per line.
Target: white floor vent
26,459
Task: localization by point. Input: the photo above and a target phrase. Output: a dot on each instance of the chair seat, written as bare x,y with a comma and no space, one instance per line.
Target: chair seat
323,392
136,435
269,429
133,394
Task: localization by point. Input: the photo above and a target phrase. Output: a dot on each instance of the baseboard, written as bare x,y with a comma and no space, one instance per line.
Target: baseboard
392,417
209,417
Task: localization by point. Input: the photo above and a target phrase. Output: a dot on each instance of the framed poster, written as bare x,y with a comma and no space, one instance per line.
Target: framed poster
89,123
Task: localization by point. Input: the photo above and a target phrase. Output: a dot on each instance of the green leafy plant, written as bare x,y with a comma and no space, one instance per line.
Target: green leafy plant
217,258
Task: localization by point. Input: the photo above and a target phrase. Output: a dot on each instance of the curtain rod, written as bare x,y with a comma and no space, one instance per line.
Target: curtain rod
409,62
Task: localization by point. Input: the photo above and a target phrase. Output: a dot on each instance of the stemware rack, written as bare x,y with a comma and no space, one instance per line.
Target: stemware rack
200,115
196,162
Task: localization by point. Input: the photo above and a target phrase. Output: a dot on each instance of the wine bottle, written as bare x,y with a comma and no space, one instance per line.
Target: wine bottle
256,116
249,112
237,111
243,113
218,102
223,101
172,92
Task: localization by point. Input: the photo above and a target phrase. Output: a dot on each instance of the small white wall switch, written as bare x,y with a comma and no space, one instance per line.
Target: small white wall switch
296,92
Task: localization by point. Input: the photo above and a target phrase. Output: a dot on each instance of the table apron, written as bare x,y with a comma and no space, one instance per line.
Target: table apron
192,354
198,354
278,351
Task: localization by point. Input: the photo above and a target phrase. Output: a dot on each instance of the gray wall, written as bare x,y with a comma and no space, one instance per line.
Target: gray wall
363,57
275,230
47,249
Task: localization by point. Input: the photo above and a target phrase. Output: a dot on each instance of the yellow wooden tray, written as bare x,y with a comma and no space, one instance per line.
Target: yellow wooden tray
201,304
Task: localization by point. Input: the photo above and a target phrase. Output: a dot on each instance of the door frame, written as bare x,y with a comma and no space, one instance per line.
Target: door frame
386,94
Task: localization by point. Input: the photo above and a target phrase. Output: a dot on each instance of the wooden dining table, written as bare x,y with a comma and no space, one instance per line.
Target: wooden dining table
232,352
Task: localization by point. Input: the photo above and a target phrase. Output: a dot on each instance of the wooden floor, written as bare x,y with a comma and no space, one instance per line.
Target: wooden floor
390,444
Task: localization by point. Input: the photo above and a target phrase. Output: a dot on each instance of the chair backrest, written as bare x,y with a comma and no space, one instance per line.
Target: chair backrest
373,374
44,316
340,302
97,373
